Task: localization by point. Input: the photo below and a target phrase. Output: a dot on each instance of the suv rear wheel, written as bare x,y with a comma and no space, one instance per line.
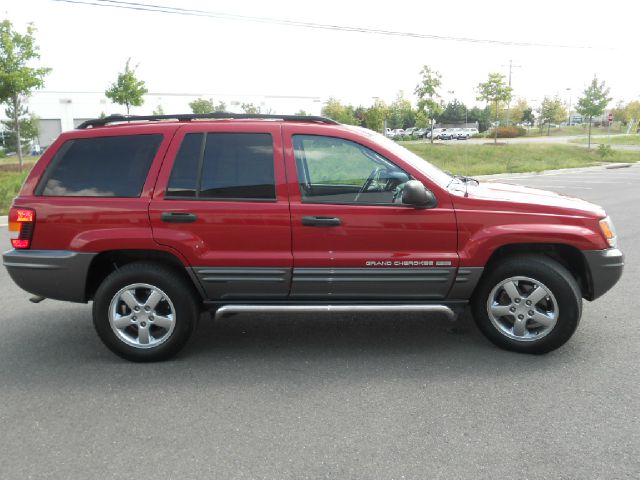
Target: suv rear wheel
145,312
528,304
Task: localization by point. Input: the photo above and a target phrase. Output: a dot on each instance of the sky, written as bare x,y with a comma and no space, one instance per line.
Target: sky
87,45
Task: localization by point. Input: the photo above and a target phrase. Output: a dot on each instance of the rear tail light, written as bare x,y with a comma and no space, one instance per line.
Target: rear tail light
21,223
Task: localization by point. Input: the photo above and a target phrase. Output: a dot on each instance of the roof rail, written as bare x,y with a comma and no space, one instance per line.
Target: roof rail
187,117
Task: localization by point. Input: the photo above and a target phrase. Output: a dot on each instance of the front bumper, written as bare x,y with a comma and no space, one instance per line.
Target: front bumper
605,269
57,274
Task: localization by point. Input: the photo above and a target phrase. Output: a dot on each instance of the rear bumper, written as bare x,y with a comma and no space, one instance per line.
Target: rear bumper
57,274
605,269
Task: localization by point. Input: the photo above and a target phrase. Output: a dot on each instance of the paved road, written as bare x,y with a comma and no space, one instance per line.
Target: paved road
340,397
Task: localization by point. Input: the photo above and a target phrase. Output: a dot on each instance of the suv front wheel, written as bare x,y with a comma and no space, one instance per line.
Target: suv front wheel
145,312
528,304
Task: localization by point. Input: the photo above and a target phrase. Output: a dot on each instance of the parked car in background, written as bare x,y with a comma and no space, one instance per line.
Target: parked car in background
420,132
408,132
446,134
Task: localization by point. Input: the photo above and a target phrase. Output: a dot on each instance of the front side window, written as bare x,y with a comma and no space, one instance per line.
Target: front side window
223,166
101,167
334,170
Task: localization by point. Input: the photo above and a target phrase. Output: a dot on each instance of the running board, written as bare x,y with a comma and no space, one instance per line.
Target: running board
232,309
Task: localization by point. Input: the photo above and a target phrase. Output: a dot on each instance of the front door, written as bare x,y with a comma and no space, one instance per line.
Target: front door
353,239
221,202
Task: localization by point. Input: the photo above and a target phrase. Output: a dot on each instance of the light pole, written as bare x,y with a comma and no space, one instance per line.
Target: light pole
569,90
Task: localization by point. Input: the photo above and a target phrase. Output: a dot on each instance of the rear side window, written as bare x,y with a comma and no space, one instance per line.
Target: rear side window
227,166
101,167
184,176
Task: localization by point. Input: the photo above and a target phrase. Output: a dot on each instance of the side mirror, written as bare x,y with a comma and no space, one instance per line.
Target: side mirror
417,195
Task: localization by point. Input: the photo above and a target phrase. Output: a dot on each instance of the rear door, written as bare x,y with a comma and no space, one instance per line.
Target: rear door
221,201
352,239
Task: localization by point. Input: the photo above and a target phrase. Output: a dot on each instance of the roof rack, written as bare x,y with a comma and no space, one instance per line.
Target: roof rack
187,117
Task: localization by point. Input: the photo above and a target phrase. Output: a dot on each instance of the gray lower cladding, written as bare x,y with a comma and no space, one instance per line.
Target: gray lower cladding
57,274
374,283
605,269
228,283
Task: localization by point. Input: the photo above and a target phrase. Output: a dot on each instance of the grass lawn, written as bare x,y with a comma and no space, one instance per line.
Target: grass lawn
11,179
485,159
10,183
575,130
615,140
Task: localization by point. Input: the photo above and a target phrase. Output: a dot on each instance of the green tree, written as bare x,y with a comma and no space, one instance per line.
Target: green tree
480,115
632,115
421,119
127,90
29,129
494,91
17,79
302,113
528,116
518,110
400,113
339,112
375,115
158,110
201,105
594,100
427,91
251,109
551,110
454,112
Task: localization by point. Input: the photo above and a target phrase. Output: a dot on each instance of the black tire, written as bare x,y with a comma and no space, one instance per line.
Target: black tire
178,296
554,277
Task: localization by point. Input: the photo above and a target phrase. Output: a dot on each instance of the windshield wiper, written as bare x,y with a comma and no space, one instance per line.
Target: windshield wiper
466,180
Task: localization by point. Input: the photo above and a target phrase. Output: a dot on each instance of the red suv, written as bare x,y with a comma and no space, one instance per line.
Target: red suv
157,218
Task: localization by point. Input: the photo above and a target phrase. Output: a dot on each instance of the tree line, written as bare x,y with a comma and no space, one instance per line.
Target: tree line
18,79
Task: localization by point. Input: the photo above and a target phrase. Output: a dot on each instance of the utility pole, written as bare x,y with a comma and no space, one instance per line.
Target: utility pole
511,67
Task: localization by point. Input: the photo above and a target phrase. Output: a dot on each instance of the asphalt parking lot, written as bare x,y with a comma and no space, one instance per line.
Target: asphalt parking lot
336,397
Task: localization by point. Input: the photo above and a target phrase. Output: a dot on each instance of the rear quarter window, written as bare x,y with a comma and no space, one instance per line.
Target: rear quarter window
114,166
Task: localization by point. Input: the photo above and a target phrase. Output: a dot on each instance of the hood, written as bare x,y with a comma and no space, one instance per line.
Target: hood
521,198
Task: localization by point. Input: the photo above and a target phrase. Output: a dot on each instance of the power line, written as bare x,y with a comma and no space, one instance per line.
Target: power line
147,7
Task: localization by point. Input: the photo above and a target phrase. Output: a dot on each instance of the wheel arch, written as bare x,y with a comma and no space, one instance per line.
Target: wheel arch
568,256
107,262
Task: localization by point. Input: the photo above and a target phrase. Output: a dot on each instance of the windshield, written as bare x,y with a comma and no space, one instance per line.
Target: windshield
434,173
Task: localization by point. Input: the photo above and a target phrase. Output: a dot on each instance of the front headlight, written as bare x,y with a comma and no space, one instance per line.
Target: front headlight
609,231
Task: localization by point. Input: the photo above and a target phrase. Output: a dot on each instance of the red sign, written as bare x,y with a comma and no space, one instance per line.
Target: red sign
610,117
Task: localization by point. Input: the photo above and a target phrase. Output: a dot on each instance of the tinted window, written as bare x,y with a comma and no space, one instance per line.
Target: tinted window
334,170
101,166
238,165
184,175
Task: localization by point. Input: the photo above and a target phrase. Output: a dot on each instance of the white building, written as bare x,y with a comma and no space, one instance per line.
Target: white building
61,111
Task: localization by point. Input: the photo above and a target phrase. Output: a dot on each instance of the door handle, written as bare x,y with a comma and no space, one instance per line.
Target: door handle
178,217
321,221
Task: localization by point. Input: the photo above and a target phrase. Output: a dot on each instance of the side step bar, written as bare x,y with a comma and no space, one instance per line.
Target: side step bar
231,309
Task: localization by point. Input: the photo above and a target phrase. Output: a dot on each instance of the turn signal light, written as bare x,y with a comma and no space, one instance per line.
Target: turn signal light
609,231
21,223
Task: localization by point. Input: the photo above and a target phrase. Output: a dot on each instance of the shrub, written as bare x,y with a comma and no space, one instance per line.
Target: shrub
509,132
605,151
